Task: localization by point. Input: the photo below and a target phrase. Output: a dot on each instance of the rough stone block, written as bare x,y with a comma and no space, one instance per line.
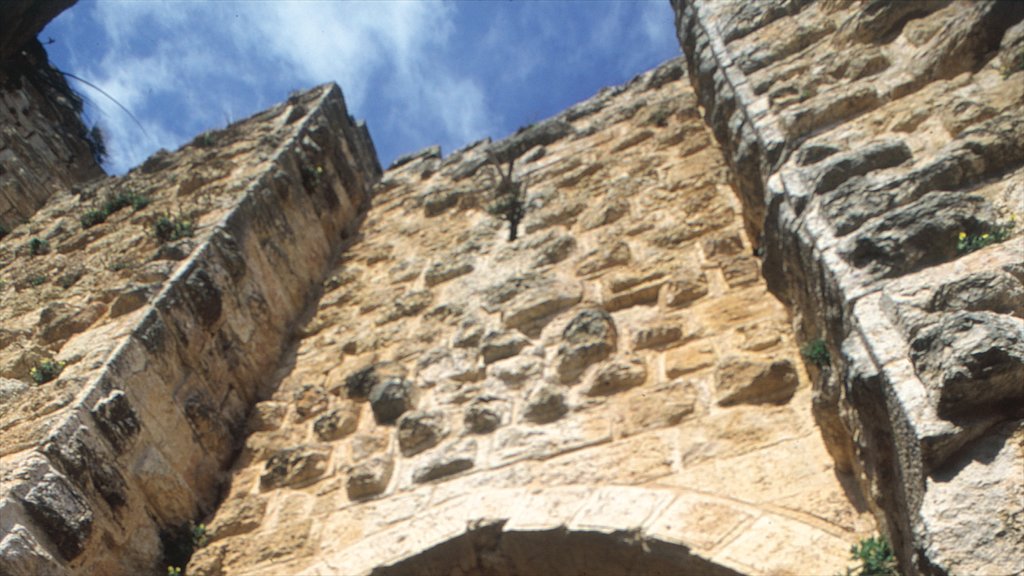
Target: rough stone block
742,380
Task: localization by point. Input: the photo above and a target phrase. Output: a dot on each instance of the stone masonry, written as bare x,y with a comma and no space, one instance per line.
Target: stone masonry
165,344
872,144
341,371
618,377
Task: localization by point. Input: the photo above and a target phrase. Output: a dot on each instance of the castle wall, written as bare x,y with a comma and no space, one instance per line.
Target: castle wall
165,344
873,145
614,390
43,143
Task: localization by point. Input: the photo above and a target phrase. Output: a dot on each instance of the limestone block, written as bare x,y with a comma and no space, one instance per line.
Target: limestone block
515,371
337,423
485,414
746,380
604,257
309,400
617,375
391,398
701,523
267,416
657,336
451,459
619,508
294,467
448,269
689,358
117,419
531,309
369,477
663,405
236,516
971,359
685,286
588,338
515,443
544,403
22,555
500,345
420,430
62,512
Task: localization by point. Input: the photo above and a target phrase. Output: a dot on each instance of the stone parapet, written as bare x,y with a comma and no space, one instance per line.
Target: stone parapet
879,152
150,331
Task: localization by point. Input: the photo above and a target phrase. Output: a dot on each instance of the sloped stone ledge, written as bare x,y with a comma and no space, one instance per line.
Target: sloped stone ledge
864,142
142,449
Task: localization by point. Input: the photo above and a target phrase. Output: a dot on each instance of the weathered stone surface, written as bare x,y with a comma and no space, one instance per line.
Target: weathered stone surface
420,430
588,338
369,478
293,467
391,398
750,380
452,459
484,414
336,423
445,270
62,513
971,360
656,336
500,345
867,142
545,403
617,375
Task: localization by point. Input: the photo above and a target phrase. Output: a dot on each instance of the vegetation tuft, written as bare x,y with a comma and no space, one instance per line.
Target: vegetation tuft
875,557
38,247
3,231
168,228
967,243
816,352
46,370
508,200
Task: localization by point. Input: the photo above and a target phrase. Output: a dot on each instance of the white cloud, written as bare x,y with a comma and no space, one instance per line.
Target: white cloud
185,67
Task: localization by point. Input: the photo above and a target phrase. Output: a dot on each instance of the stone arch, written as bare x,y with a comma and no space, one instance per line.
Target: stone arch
572,530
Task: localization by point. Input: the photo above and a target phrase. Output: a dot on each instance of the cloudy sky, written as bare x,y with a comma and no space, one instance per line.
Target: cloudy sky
419,73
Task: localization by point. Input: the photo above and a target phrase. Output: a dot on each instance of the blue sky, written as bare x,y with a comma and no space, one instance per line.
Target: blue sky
419,73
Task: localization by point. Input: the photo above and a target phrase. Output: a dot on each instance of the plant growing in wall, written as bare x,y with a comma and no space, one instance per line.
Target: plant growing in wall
875,557
967,243
3,231
38,247
816,352
168,229
46,370
508,197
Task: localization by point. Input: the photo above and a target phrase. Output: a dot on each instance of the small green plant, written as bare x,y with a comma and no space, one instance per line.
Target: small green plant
875,557
38,247
3,231
168,229
199,536
967,243
206,140
816,352
508,197
115,202
37,280
46,370
92,218
174,571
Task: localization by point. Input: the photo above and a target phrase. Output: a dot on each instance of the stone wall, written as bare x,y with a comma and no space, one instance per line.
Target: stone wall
613,392
163,342
44,147
875,147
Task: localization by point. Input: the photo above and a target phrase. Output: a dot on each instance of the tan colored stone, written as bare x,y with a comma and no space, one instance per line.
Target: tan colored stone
689,358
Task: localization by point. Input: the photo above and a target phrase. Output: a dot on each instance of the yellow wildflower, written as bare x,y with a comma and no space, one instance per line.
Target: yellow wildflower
963,235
